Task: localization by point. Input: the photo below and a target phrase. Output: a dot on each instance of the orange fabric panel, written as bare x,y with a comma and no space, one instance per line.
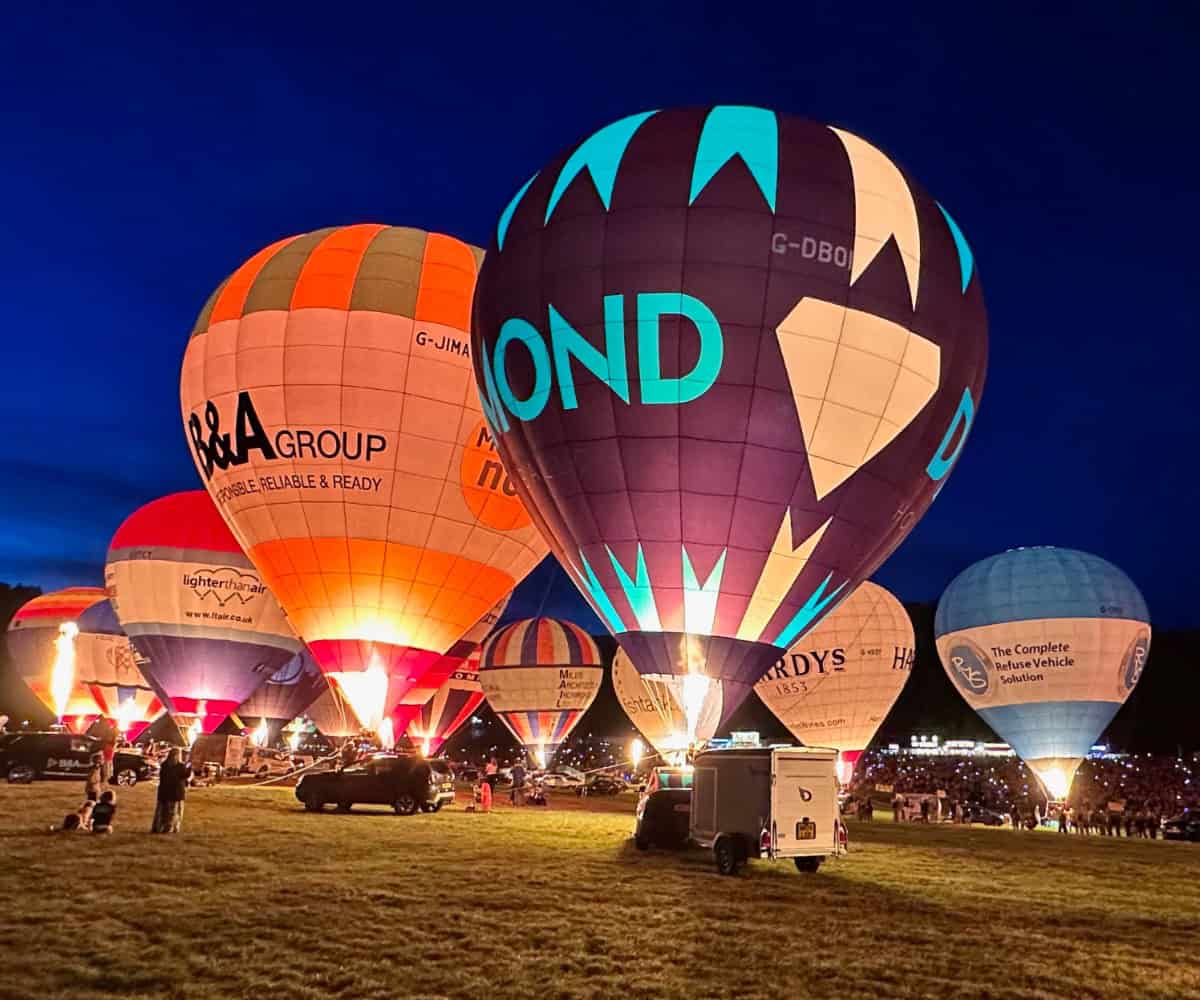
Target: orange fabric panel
447,283
233,296
327,278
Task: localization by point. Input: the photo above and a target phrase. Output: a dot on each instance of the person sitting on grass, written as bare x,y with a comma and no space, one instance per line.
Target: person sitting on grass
104,813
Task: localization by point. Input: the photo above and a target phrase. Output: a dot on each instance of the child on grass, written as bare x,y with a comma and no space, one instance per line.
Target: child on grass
104,813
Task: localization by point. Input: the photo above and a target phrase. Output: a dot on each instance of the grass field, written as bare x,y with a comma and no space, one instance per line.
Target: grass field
259,899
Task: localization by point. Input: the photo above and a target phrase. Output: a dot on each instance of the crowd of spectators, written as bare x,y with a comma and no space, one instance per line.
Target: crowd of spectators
1140,783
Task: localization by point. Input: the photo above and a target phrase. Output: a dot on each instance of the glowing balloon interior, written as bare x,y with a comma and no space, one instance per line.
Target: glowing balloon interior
1045,644
835,686
327,395
671,717
540,675
107,666
730,357
34,646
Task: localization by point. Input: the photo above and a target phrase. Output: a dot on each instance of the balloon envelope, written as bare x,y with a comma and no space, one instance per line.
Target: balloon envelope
107,665
730,357
659,707
835,686
333,716
286,693
31,640
441,716
195,608
1045,644
540,675
327,395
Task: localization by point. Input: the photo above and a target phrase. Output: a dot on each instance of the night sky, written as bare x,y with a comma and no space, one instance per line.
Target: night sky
146,154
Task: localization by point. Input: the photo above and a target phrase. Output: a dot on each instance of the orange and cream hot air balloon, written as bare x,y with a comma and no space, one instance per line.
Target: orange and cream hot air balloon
329,402
41,642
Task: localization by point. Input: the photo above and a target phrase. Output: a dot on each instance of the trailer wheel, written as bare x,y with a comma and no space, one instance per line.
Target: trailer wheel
808,864
728,855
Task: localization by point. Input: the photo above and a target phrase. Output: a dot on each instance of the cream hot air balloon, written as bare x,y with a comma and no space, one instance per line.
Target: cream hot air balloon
540,675
329,402
672,717
835,686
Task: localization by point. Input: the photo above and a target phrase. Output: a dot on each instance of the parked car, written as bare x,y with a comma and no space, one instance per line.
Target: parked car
406,783
1186,826
988,817
443,778
558,780
664,809
602,784
26,757
263,762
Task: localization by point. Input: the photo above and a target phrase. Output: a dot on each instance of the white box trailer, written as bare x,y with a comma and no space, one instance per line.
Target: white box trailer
772,802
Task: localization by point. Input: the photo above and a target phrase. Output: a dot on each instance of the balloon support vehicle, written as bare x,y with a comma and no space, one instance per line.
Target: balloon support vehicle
664,809
25,757
405,783
766,802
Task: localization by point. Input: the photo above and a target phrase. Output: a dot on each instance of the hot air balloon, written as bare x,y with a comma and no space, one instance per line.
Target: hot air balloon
333,716
1045,644
540,675
414,694
662,711
41,643
107,665
729,357
441,716
286,694
194,607
835,687
328,400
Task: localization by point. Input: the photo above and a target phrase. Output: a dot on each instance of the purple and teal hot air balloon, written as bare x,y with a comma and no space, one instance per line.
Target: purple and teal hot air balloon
1045,644
729,357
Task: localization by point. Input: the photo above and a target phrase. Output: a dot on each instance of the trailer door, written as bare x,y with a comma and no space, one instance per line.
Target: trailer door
803,806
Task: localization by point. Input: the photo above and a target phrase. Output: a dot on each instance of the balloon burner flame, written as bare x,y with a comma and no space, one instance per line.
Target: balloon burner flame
62,674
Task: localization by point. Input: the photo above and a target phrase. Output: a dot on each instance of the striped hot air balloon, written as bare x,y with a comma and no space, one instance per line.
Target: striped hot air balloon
41,643
107,664
540,675
195,608
441,716
328,398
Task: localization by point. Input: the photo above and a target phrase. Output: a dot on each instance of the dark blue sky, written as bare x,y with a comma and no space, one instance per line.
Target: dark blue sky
146,153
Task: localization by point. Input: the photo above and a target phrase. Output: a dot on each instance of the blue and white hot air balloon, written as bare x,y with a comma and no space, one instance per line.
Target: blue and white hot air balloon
1045,644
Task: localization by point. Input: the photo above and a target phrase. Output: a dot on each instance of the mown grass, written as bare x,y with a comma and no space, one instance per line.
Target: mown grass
258,899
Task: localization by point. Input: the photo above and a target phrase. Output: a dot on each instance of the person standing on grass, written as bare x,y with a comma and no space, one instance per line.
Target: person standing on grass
1015,816
518,785
172,788
108,752
95,775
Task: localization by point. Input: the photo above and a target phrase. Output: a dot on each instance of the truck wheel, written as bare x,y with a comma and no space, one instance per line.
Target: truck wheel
808,864
20,774
344,807
126,777
313,803
405,804
729,858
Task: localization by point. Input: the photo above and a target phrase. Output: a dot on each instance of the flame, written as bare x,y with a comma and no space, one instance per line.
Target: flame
845,770
693,691
193,731
426,743
62,674
539,753
387,737
294,729
127,713
366,690
261,734
1056,777
635,752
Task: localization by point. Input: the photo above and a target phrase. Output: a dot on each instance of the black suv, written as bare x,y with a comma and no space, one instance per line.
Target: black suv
27,757
405,783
